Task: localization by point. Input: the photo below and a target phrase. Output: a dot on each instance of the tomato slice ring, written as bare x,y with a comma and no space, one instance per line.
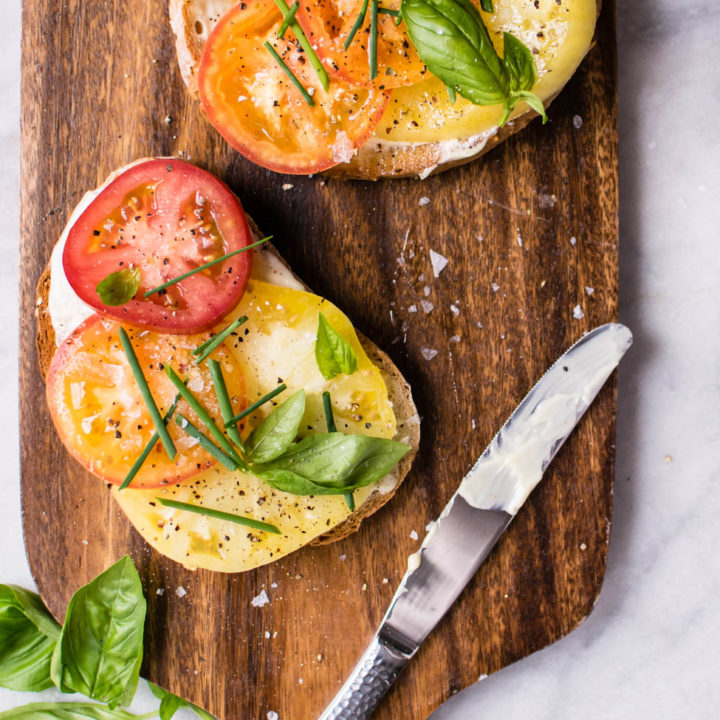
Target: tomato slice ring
253,104
328,23
164,217
99,413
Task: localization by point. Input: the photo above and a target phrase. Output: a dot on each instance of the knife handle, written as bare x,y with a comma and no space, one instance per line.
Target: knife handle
371,678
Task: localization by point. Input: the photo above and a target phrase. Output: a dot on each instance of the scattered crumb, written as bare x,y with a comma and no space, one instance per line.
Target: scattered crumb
424,201
260,600
287,186
385,581
589,290
428,353
495,287
473,424
272,715
364,587
438,262
519,239
342,557
573,241
319,658
455,309
577,122
583,546
274,635
427,306
668,458
479,324
546,200
273,585
181,592
479,237
300,681
578,313
85,542
454,338
426,290
414,535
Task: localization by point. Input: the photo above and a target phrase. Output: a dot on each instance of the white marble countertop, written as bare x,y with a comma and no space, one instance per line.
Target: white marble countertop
649,651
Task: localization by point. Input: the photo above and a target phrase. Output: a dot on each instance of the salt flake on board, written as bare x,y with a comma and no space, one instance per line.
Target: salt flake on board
428,353
260,600
438,262
578,313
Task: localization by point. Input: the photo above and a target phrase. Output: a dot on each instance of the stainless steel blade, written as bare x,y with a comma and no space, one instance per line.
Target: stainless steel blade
477,514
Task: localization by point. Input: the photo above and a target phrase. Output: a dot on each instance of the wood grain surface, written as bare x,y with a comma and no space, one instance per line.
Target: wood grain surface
526,230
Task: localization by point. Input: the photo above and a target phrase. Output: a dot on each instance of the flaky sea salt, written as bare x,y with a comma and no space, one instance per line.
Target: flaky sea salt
287,186
455,309
428,353
495,287
272,715
427,306
578,313
414,535
577,122
260,600
438,262
181,592
424,201
573,241
589,290
412,309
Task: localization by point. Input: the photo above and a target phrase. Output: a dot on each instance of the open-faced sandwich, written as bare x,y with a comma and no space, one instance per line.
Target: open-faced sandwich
376,88
237,416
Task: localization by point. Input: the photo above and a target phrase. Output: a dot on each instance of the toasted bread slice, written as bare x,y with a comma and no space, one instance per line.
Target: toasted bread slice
422,133
276,271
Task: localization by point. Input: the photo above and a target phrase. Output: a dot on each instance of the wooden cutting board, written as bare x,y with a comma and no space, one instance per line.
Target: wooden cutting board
528,231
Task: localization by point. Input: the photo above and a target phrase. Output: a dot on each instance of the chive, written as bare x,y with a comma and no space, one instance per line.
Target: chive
204,267
204,416
372,44
148,448
358,24
249,410
205,443
147,395
330,422
207,347
288,19
239,519
306,46
306,95
224,401
451,94
389,11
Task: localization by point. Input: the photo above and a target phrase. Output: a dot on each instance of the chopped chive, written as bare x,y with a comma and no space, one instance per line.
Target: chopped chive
288,19
220,515
207,347
330,422
204,416
372,43
306,95
259,403
358,24
200,268
148,448
147,395
224,401
205,443
389,11
305,44
451,94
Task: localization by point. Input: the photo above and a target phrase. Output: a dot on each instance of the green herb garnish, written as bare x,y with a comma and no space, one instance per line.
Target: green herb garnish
372,43
451,94
277,431
358,24
157,419
330,422
204,441
288,19
301,89
207,347
306,46
207,265
204,416
389,11
451,39
487,6
258,403
224,401
119,287
333,353
220,515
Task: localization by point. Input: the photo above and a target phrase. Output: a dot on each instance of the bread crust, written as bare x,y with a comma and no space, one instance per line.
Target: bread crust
399,393
374,160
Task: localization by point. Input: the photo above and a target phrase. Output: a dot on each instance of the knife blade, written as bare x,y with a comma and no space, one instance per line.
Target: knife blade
486,501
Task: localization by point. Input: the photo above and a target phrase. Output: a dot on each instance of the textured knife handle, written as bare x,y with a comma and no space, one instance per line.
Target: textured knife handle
369,681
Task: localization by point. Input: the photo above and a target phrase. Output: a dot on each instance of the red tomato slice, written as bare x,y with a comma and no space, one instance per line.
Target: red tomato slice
101,417
328,23
255,106
165,217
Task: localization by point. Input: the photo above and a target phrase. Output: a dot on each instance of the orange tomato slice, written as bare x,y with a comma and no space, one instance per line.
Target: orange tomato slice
254,105
101,417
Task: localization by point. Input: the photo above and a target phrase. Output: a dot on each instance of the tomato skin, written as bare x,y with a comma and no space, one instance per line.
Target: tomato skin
165,217
99,413
251,102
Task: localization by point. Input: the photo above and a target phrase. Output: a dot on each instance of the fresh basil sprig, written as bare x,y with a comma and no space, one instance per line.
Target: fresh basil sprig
276,432
68,711
331,464
27,639
333,353
451,39
101,645
119,287
170,704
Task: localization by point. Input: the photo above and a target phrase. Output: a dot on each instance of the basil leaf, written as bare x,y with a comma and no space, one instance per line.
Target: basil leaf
273,436
332,464
452,40
487,6
333,353
119,287
101,645
519,63
28,635
170,704
65,711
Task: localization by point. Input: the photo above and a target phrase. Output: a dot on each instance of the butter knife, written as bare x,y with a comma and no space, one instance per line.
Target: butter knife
486,501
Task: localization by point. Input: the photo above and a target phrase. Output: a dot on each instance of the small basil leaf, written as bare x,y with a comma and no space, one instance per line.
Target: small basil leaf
273,436
170,704
452,40
101,645
332,464
533,101
28,635
333,353
65,711
519,63
487,6
119,287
